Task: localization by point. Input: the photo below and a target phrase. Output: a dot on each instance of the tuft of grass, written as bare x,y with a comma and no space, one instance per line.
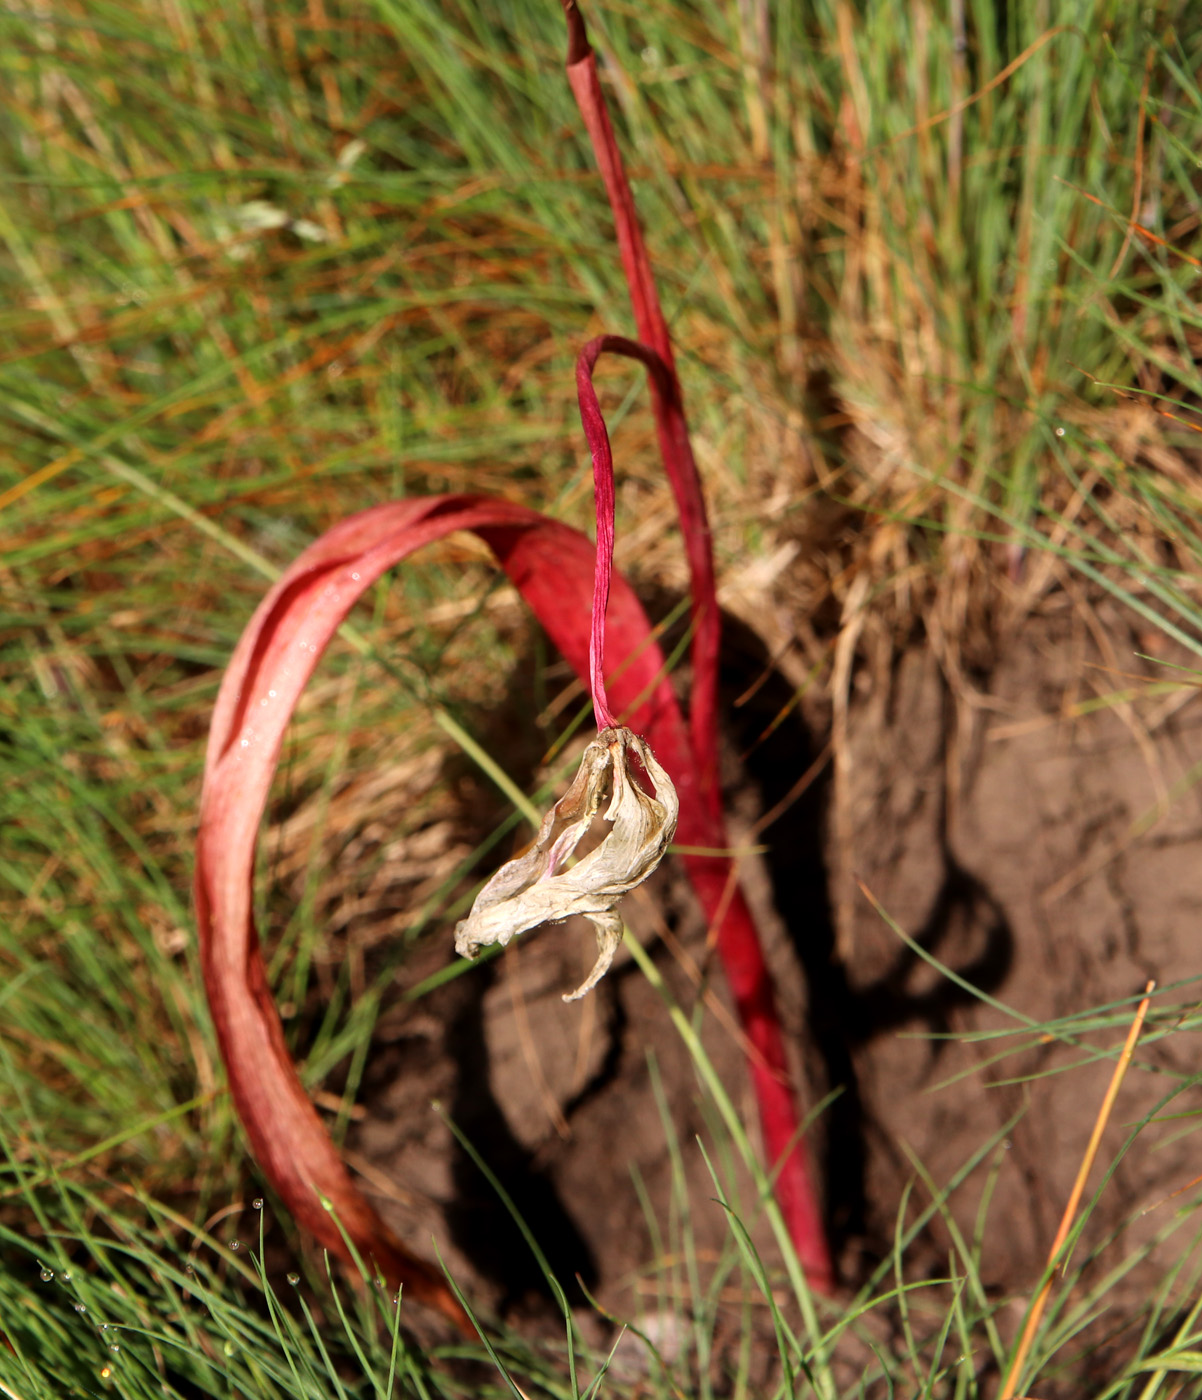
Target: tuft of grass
106,1283
1001,239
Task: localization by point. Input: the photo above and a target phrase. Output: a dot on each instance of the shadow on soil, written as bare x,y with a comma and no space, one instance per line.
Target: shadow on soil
843,1018
480,1224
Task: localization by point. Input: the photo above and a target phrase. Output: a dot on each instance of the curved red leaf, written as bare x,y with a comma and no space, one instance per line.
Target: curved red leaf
552,566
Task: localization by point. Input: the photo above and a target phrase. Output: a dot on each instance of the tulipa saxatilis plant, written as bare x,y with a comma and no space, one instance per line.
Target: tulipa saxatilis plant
654,774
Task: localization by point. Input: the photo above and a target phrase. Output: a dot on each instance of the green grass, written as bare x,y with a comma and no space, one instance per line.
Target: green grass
152,1303
265,266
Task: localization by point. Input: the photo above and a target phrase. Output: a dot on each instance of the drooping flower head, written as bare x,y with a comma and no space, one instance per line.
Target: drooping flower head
538,886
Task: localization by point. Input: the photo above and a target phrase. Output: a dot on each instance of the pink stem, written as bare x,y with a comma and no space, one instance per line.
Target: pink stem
603,488
603,495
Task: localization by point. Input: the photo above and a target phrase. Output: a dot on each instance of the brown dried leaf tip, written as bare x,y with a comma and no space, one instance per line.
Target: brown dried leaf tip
535,888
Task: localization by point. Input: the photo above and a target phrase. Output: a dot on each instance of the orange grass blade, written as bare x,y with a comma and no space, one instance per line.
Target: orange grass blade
1074,1199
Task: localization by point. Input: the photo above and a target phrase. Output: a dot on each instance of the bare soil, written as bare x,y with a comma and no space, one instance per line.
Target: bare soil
1046,851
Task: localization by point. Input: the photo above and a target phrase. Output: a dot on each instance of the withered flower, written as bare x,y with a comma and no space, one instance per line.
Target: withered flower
538,887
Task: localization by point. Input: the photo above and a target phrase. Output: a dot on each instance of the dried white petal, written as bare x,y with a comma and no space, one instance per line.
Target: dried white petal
536,888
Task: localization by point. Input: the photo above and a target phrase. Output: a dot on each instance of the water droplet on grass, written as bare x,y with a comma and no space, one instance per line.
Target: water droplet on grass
1059,432
257,1203
294,1279
80,1307
114,1346
47,1275
235,1244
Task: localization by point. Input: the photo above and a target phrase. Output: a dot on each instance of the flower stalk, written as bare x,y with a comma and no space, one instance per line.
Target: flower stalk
537,886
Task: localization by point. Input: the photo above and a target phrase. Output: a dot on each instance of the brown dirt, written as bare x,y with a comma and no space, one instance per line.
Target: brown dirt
1007,836
1002,826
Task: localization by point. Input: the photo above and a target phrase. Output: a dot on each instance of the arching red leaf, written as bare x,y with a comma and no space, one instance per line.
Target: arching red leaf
552,566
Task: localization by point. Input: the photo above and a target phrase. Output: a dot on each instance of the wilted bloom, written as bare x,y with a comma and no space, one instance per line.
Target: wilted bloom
538,887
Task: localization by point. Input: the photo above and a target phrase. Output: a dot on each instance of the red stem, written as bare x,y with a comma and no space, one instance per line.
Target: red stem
666,401
737,938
